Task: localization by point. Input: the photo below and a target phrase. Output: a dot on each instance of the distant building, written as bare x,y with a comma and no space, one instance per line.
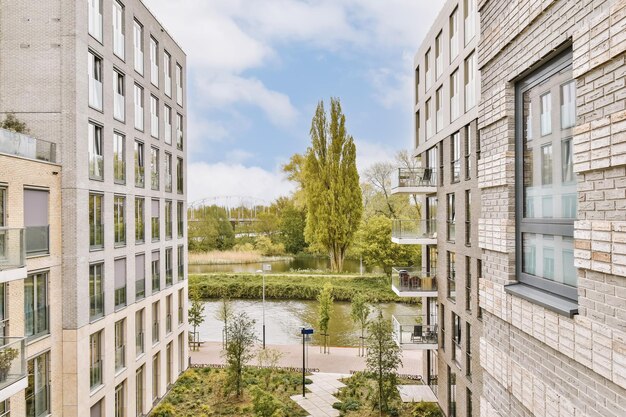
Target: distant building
101,295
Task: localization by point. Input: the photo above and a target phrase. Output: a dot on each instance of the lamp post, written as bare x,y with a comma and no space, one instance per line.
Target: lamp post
266,267
304,332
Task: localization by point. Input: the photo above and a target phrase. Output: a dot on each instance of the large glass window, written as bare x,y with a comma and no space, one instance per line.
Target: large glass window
140,332
468,152
154,61
546,184
154,168
468,283
455,157
439,55
470,19
140,276
120,400
155,216
156,377
138,46
429,118
120,344
451,217
451,276
139,106
156,312
36,221
118,29
119,158
139,164
451,393
181,262
139,387
455,96
96,291
167,124
119,101
140,215
169,273
96,158
417,85
95,19
96,224
120,283
179,131
119,220
156,271
168,219
180,185
38,390
94,70
154,117
439,108
468,217
454,34
36,310
168,172
179,85
429,73
167,72
180,218
470,81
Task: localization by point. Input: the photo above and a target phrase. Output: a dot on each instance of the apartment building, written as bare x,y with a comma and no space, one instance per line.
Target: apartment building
448,329
552,124
103,82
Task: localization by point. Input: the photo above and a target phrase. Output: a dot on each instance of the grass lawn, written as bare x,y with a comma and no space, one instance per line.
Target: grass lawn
296,286
201,393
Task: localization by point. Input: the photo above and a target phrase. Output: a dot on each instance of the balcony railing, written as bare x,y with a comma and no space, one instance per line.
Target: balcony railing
120,357
95,93
36,321
406,281
95,374
181,272
155,332
96,236
156,282
139,176
169,280
168,85
12,360
154,125
414,180
180,315
138,60
168,133
12,248
118,106
139,343
140,289
38,403
118,43
14,143
410,332
179,139
414,231
96,306
96,167
138,117
168,324
37,240
120,297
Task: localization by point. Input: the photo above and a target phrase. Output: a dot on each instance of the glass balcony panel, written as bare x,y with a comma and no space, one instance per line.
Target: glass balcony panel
118,44
37,240
12,360
120,297
96,167
120,357
95,374
413,230
411,332
168,133
413,279
96,306
138,60
96,236
119,103
12,248
139,343
18,144
95,94
140,289
414,179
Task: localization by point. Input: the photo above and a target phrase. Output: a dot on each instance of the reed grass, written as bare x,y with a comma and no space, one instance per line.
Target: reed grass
231,257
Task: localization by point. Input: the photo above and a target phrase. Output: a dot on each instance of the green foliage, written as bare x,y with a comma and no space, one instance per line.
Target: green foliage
209,229
195,315
265,404
382,360
359,312
266,247
373,243
164,410
239,350
11,122
291,228
330,182
325,299
224,313
423,409
266,223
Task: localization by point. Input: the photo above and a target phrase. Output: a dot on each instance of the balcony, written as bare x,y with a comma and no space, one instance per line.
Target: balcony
13,143
12,366
414,181
414,232
410,334
12,254
413,282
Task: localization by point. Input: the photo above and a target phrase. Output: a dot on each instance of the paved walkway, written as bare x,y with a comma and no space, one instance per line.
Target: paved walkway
319,401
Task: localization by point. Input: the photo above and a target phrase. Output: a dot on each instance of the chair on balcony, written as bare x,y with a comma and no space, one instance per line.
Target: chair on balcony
416,336
431,334
404,278
415,282
426,177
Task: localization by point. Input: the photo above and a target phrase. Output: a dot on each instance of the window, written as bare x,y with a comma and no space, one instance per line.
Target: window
451,276
433,371
95,360
120,400
451,217
431,213
468,283
168,172
451,393
439,55
468,403
455,157
179,85
179,131
36,305
120,344
417,128
179,176
139,108
119,101
156,377
167,121
470,20
36,221
96,226
155,225
3,202
180,218
468,218
167,72
440,147
119,161
429,74
454,34
168,267
442,339
429,122
140,331
154,61
181,262
156,311
96,291
94,69
120,283
118,29
154,117
154,168
168,312
468,152
568,105
168,220
439,108
454,95
96,158
138,46
139,387
546,215
417,85
156,271
182,358
95,19
168,364
119,220
38,390
139,164
468,350
457,355
181,304
470,81
140,215
140,276
96,409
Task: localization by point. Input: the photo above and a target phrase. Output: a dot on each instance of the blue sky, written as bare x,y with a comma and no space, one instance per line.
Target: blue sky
257,68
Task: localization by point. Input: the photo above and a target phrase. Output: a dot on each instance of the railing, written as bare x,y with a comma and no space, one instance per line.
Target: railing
12,248
118,106
119,170
36,321
168,86
38,403
96,167
457,353
120,234
139,176
168,133
455,167
154,179
95,374
96,306
413,279
414,177
138,117
14,143
120,297
181,228
120,357
140,288
414,229
410,330
181,272
156,231
179,182
138,60
168,323
140,232
12,360
179,139
37,240
154,125
118,44
96,236
139,343
95,93
169,280
168,181
155,331
156,282
180,315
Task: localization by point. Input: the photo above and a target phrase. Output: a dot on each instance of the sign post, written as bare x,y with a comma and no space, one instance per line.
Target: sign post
266,267
304,332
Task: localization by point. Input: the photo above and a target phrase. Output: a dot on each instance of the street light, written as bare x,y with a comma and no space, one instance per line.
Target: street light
266,267
304,332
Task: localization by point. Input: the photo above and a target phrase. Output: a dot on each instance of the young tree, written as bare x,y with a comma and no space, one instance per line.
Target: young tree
331,185
325,299
383,359
223,314
240,349
359,312
196,316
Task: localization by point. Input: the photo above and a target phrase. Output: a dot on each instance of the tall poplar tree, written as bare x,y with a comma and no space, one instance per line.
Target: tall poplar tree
331,185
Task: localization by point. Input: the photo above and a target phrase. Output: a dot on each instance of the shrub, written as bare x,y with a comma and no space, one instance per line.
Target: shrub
164,410
265,404
265,245
424,409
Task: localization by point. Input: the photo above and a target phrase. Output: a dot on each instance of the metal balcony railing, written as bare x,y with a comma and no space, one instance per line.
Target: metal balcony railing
139,343
18,144
119,106
413,279
120,357
95,374
414,177
414,229
12,248
96,236
410,330
156,282
120,297
96,306
12,360
140,289
38,402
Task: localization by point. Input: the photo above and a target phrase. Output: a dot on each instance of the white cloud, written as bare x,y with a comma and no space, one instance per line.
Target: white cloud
369,153
238,156
225,179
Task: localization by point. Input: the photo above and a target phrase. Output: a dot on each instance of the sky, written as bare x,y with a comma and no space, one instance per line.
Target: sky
256,70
